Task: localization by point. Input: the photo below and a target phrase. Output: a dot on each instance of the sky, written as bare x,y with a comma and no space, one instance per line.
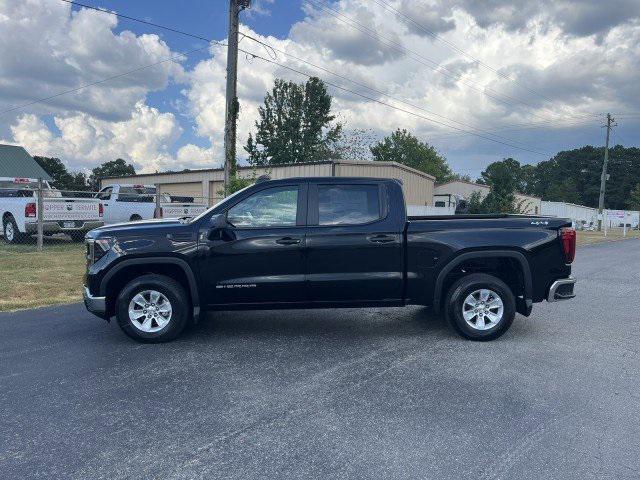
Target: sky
527,79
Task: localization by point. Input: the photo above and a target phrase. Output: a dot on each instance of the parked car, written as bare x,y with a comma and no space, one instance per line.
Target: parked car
130,203
19,211
326,242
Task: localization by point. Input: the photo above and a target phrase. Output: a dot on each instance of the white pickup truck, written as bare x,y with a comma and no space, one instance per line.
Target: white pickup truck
19,211
130,203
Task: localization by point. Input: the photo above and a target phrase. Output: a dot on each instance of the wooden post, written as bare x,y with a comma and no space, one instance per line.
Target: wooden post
40,215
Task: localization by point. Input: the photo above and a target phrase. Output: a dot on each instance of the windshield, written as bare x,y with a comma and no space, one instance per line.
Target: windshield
27,187
224,200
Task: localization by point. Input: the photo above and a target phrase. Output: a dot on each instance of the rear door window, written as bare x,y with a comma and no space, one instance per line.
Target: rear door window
348,204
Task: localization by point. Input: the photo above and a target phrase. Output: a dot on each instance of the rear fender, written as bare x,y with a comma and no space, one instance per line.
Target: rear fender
523,306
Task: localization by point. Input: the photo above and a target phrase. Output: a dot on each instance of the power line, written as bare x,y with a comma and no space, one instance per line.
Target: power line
266,46
378,91
113,77
163,27
457,49
288,68
532,126
292,56
339,87
433,65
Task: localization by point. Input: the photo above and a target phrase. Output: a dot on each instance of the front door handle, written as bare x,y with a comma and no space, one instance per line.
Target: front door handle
381,238
288,241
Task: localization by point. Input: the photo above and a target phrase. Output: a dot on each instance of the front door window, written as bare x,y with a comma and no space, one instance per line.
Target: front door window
272,207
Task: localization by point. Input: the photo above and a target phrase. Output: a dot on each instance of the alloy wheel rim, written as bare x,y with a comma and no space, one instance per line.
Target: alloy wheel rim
150,311
8,231
482,309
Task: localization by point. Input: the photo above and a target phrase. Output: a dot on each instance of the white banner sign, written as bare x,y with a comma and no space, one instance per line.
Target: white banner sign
70,211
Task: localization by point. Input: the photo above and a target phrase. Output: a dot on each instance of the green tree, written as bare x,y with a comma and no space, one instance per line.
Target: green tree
62,178
112,168
583,166
295,125
475,205
502,178
355,144
403,147
634,198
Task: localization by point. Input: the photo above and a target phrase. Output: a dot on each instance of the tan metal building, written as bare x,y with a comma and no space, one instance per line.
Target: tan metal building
206,185
464,189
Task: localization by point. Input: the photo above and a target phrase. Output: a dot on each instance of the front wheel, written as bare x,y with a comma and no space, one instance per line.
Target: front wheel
480,307
152,309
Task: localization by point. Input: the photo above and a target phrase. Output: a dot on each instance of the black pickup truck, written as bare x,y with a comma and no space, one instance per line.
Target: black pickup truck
326,243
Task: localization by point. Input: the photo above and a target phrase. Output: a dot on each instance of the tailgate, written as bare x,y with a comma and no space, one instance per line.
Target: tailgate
56,209
170,210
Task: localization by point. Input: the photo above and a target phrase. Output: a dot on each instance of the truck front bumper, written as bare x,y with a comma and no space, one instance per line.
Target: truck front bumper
96,305
58,226
561,290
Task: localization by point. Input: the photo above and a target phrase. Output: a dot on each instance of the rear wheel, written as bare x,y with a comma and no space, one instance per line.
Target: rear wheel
135,218
152,309
11,233
480,307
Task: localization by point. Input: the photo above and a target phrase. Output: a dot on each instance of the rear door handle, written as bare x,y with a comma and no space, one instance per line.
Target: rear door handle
381,238
288,241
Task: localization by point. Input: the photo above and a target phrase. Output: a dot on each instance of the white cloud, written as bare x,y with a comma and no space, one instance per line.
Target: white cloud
193,156
47,49
144,139
564,65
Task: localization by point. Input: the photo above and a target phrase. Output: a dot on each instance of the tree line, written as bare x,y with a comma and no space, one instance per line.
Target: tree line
67,181
296,125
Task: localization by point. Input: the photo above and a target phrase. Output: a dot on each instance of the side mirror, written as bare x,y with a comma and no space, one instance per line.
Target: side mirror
219,228
218,221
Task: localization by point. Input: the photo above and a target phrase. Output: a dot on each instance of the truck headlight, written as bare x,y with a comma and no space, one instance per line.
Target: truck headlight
101,247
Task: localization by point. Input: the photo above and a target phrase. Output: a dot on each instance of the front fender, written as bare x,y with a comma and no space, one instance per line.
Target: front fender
182,264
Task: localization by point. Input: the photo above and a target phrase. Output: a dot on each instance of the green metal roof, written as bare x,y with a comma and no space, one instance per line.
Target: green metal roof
17,163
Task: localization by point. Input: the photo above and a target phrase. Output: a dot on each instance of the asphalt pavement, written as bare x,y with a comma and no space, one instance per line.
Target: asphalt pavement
374,393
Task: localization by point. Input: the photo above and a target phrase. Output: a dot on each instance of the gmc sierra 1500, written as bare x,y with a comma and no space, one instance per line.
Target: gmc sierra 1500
326,243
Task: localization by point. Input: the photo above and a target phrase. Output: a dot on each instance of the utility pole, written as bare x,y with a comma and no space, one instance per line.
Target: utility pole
231,105
603,177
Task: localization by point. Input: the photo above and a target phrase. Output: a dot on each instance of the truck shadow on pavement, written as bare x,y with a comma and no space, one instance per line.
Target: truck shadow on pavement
363,323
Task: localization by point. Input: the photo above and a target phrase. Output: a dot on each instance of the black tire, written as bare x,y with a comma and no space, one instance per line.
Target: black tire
11,233
135,218
172,290
458,293
77,236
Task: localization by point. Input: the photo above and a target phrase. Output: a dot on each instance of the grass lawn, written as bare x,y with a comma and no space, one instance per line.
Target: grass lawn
33,279
589,238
